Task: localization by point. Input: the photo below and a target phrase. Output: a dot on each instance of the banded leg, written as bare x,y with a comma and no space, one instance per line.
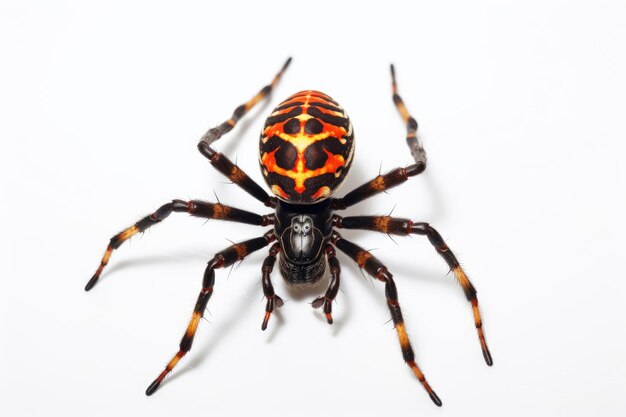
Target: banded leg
333,288
376,269
221,162
397,226
217,132
378,185
399,175
412,140
222,259
268,288
195,208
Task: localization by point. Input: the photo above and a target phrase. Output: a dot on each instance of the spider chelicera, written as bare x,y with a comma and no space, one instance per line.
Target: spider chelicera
305,152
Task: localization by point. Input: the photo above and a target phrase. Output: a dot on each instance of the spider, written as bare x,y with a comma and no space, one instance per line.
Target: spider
305,152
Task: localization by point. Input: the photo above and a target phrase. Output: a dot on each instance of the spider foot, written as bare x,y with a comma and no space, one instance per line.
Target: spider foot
420,376
329,318
153,387
273,301
92,282
327,303
487,355
104,261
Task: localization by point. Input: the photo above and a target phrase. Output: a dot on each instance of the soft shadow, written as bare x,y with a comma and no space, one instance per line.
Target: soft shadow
275,324
170,258
408,271
340,321
438,209
220,331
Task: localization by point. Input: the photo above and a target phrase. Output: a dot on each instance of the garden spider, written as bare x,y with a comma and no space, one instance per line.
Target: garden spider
306,149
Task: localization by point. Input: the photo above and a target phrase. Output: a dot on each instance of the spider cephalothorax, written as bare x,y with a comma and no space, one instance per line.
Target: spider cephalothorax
306,148
303,234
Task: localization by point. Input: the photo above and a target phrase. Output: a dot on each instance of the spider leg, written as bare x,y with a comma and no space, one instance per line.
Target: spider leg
411,124
268,288
379,184
225,165
398,226
222,259
217,132
364,259
195,208
399,175
333,288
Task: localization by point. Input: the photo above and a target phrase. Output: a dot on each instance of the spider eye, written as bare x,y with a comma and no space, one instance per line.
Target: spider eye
307,227
296,228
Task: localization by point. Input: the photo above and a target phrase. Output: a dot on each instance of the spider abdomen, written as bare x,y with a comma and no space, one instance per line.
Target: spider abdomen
306,148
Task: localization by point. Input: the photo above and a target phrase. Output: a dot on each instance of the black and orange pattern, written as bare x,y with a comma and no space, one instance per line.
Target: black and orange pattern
197,208
306,147
223,259
405,227
365,260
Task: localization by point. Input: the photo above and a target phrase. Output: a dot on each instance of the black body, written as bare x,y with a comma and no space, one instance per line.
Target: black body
303,236
303,232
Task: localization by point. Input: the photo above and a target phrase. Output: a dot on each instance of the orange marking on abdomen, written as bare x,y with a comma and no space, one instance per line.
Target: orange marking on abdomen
301,141
276,189
331,112
299,173
306,96
323,191
285,110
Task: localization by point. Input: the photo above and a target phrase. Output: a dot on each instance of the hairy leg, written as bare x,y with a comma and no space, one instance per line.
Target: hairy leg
398,175
222,259
196,208
364,259
225,165
333,288
398,226
268,288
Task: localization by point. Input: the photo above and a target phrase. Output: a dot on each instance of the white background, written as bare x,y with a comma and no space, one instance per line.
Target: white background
521,110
